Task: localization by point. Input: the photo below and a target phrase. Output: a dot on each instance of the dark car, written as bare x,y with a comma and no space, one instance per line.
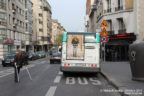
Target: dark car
8,59
32,56
55,57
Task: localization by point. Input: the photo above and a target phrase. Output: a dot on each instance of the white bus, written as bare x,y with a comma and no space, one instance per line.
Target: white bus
80,52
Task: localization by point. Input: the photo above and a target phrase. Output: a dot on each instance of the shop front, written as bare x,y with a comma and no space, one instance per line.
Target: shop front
17,44
118,46
10,44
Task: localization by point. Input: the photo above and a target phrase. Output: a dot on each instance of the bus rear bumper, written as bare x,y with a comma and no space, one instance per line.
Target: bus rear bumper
80,69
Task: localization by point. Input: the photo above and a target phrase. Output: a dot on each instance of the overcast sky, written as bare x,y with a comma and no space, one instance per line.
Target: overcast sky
70,13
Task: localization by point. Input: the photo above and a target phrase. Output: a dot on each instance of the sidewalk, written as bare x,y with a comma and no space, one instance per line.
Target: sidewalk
119,75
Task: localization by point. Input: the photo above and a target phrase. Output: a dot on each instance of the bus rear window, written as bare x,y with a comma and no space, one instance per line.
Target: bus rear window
90,39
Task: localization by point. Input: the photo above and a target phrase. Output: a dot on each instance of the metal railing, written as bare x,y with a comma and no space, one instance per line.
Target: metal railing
3,22
119,8
107,11
122,31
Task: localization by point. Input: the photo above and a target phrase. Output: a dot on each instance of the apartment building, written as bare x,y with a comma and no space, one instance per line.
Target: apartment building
28,25
139,20
57,31
12,25
42,25
119,15
2,26
89,5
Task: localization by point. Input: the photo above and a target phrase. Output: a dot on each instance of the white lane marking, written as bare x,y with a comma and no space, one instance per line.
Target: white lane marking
60,73
1,72
70,80
51,91
57,79
11,71
95,82
84,82
43,62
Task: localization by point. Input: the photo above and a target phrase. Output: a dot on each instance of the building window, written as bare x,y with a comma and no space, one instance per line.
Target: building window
119,5
2,31
40,22
39,38
40,14
122,29
109,5
41,30
2,16
40,7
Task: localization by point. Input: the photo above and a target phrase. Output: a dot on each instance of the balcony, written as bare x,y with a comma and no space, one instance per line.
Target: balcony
14,11
2,5
119,8
107,11
3,22
122,31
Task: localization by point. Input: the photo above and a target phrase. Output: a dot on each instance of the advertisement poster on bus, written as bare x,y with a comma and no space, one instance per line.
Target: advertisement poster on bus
75,47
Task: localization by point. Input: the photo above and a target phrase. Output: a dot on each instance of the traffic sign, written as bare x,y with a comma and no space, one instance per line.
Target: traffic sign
104,39
104,32
104,24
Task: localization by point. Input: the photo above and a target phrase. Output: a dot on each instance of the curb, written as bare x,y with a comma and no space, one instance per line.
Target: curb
115,84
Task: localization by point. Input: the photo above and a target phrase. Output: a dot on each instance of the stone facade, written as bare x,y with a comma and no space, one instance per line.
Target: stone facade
139,20
42,24
119,15
57,30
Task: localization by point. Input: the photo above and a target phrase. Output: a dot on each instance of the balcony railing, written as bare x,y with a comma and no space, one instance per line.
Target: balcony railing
119,8
122,31
107,11
3,22
2,5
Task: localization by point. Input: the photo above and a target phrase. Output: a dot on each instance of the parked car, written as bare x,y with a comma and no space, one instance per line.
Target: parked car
55,57
8,59
41,54
32,56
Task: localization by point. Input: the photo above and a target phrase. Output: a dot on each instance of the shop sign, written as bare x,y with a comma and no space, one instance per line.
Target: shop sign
9,42
17,42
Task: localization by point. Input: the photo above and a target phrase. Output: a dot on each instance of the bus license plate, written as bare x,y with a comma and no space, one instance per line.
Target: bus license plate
81,65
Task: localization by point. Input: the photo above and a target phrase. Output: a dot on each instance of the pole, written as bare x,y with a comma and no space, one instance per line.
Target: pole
16,73
104,53
28,73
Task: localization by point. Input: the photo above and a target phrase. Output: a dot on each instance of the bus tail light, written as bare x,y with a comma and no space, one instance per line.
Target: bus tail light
95,65
91,65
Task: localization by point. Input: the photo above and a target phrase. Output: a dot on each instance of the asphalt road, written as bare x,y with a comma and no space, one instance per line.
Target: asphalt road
47,80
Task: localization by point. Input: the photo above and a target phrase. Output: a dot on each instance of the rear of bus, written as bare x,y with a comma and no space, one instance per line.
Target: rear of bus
80,52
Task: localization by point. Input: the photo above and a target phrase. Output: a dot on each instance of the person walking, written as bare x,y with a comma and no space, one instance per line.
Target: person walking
18,65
